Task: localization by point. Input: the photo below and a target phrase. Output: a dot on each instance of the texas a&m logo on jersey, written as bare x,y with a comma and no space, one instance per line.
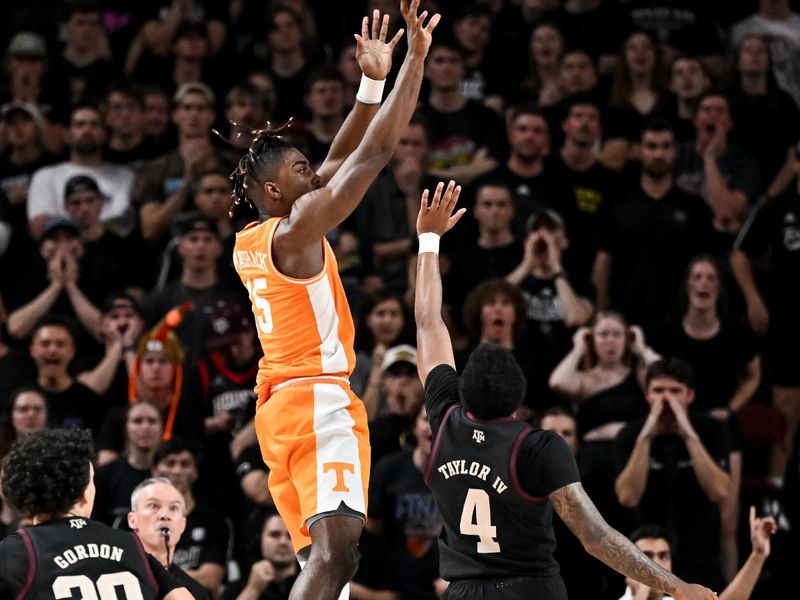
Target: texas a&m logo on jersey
478,435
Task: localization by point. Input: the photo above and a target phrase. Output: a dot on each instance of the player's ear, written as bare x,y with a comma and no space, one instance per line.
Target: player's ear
272,191
132,521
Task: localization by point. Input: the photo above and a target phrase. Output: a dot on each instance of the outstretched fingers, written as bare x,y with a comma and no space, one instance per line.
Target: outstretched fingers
397,37
433,22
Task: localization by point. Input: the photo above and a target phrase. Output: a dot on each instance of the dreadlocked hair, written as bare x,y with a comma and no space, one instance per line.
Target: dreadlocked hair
266,150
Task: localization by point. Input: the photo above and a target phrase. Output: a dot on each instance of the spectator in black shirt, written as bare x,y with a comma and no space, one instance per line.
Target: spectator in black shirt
24,154
588,184
557,301
203,548
324,99
471,421
392,431
721,173
127,143
464,136
116,480
772,309
688,82
49,478
495,253
766,117
540,86
58,282
84,68
273,573
722,353
673,468
525,171
649,236
52,349
247,108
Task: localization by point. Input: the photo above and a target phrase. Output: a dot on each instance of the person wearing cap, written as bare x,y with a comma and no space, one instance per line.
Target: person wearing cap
24,154
162,376
86,136
163,190
54,284
111,262
107,370
557,301
83,69
26,65
199,248
228,371
402,392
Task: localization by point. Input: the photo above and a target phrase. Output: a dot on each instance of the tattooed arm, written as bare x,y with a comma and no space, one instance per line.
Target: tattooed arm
615,550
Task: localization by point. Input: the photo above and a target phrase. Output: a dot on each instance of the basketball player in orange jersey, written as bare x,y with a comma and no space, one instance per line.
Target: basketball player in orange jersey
311,427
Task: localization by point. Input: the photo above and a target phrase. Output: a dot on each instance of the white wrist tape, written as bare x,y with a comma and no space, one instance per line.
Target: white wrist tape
429,242
370,91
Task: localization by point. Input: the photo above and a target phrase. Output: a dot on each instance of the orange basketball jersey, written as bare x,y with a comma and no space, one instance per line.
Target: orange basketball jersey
304,325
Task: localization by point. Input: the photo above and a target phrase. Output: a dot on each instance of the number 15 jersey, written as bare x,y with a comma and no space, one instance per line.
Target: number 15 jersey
304,325
490,480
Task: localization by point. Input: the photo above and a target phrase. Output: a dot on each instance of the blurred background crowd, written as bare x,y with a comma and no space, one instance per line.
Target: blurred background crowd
631,173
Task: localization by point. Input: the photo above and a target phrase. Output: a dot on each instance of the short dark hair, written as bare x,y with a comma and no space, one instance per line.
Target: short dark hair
658,124
46,472
126,88
175,445
87,105
653,532
323,72
56,320
558,410
492,384
81,7
524,108
674,368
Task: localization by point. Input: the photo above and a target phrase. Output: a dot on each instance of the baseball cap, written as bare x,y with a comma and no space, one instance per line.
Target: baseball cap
545,219
397,354
60,224
190,26
120,300
27,43
225,322
80,183
27,107
194,87
195,222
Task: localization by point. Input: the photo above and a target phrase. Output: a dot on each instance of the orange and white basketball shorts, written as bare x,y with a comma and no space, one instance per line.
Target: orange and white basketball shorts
314,440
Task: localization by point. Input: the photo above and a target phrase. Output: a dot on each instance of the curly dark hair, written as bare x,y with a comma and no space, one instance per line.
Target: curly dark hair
484,293
46,472
260,163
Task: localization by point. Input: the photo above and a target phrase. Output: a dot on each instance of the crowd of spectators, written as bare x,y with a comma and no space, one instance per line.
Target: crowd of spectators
631,173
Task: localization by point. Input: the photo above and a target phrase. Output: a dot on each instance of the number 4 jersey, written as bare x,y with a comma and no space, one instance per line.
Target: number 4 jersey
74,557
304,325
490,480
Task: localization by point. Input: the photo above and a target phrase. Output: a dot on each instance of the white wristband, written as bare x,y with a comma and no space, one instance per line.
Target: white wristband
370,91
429,242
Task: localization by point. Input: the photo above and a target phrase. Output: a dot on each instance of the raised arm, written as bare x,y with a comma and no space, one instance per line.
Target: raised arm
319,211
615,550
741,586
374,56
433,339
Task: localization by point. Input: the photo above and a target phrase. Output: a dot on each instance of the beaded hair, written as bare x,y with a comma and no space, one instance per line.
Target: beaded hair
265,151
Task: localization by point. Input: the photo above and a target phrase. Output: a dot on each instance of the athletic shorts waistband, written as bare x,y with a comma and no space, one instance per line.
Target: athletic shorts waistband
307,380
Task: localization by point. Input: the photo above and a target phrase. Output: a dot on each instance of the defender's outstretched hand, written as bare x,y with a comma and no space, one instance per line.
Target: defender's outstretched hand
438,217
374,53
419,34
